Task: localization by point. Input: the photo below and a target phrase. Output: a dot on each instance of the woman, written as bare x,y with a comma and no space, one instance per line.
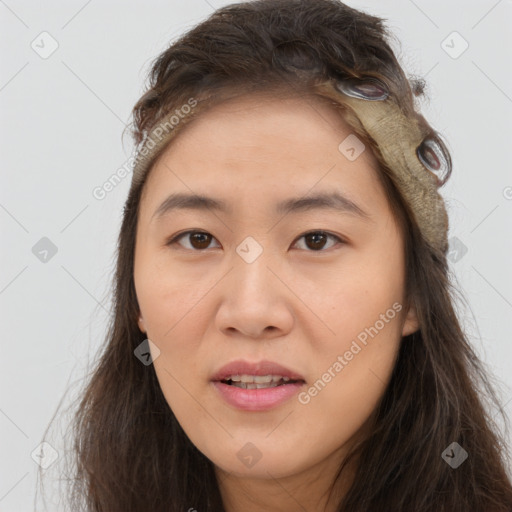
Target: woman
284,336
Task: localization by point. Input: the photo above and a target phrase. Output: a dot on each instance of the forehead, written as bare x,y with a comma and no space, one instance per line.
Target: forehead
263,144
302,118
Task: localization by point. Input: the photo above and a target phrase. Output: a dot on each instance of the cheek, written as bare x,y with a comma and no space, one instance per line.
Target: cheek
171,303
353,364
351,375
339,408
371,288
180,365
167,297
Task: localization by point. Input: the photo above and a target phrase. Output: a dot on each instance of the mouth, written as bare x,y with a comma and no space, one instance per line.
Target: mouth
256,386
256,375
259,381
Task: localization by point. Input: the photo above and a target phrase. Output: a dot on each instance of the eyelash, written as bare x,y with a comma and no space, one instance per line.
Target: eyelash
175,239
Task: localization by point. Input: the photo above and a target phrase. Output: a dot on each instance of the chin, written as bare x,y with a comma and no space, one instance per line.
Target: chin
273,465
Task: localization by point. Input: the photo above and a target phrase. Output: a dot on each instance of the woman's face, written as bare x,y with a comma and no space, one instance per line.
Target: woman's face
312,292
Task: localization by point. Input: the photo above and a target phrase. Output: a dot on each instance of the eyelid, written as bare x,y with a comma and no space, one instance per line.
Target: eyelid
338,238
175,239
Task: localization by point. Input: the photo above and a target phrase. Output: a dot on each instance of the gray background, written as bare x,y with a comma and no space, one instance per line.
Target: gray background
62,119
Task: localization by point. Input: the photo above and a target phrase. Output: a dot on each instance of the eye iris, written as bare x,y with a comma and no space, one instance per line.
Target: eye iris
202,243
315,238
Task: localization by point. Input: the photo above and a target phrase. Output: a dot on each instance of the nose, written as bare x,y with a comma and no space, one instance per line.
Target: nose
254,302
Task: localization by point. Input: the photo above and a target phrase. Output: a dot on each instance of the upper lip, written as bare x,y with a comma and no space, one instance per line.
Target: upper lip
241,367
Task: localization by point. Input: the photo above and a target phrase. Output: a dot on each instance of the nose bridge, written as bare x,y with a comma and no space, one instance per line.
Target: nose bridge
252,259
252,300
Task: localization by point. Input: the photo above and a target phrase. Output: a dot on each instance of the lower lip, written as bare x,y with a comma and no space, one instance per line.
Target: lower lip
257,399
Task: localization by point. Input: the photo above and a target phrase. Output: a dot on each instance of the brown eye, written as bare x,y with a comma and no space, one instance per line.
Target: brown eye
316,240
198,240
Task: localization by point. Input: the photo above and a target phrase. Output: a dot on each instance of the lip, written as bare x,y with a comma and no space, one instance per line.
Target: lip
256,399
241,367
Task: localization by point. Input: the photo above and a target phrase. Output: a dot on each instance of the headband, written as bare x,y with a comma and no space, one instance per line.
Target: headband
410,150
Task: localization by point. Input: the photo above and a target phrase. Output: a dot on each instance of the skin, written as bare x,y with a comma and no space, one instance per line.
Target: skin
299,304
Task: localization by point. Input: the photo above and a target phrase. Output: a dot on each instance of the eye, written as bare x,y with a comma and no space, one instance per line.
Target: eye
199,240
317,239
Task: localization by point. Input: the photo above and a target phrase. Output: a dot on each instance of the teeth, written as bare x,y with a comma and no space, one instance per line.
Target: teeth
257,379
262,379
252,385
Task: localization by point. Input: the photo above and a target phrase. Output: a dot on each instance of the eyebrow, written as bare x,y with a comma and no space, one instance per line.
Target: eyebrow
322,201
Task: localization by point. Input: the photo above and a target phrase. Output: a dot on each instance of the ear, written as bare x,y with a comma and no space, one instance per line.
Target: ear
411,323
141,324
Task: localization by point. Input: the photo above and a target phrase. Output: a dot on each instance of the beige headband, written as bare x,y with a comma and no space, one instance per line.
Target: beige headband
414,156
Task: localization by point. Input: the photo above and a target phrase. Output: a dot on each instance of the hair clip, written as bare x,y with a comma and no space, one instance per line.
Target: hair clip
432,156
367,89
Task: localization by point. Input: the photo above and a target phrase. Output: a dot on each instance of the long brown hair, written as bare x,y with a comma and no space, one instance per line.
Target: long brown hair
130,452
